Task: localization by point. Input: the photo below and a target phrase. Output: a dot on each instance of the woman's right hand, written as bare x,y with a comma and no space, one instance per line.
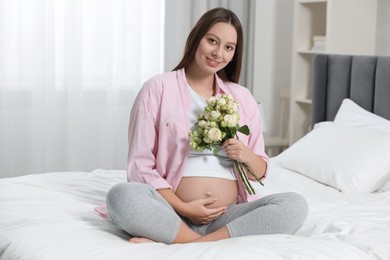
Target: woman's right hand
198,212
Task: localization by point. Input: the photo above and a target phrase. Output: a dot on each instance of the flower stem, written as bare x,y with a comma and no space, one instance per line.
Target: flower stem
244,177
257,179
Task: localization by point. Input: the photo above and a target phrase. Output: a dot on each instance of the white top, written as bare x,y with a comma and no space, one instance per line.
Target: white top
205,163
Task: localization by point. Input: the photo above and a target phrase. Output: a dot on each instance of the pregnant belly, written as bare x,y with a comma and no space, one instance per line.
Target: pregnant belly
194,188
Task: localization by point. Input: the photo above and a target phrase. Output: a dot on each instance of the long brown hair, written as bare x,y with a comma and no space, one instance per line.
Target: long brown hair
233,69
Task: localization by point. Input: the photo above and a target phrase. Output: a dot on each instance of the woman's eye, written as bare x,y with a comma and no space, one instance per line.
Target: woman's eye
211,40
230,48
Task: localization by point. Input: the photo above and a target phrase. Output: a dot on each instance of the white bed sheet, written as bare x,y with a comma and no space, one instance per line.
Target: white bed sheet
51,216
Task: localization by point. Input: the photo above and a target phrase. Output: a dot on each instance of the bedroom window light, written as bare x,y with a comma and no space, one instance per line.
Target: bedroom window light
96,44
69,72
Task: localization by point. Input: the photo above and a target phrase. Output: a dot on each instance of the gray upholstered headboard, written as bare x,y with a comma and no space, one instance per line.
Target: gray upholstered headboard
364,79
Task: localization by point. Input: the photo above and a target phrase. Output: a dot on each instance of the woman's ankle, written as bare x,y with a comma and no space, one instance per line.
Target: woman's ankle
219,234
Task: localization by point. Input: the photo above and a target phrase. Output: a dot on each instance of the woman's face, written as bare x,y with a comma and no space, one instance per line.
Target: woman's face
216,49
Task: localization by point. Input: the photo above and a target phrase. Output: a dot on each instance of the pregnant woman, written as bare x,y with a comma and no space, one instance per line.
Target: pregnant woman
175,194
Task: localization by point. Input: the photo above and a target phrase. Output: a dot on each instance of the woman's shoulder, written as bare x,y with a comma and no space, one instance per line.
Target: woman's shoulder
156,85
161,79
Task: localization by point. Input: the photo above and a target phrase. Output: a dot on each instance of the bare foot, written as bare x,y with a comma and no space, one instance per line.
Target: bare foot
137,240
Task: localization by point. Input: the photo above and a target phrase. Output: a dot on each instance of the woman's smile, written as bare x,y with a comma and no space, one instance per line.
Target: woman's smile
212,63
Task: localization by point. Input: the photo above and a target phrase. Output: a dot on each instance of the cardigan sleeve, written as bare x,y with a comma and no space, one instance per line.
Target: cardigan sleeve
250,110
256,139
143,138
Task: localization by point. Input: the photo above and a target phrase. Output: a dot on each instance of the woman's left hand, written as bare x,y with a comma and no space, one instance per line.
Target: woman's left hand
236,150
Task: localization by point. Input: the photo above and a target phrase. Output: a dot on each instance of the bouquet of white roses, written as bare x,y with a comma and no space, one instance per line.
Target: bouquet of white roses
217,123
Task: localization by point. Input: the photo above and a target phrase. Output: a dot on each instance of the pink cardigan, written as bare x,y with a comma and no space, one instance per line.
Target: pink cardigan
159,127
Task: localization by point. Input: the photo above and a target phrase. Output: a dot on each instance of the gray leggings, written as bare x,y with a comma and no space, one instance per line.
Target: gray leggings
141,211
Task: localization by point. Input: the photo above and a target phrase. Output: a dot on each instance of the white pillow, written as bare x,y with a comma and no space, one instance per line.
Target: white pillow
351,114
351,159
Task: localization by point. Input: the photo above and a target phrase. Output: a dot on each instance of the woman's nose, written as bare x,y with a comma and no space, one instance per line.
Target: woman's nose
216,53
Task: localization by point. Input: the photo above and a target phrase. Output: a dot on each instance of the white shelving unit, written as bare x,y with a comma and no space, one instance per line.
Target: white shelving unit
345,27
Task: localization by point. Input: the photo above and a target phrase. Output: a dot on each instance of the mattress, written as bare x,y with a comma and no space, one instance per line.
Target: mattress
51,216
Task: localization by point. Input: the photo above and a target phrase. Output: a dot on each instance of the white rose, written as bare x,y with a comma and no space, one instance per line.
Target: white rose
207,140
230,120
211,102
221,102
202,123
232,107
193,145
214,134
214,115
207,115
213,124
227,97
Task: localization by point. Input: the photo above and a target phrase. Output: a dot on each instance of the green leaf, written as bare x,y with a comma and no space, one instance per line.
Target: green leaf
230,132
244,129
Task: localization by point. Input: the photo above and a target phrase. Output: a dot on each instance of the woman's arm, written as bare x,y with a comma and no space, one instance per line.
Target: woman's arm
236,150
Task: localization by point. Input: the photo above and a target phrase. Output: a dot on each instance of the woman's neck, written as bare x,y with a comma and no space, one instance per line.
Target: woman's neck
202,84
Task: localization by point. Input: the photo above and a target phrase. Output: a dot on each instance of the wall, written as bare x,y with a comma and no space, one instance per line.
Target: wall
383,28
177,27
272,65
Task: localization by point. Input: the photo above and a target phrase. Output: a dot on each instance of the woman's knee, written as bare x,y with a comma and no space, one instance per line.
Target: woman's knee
297,208
127,188
125,193
298,202
289,211
290,201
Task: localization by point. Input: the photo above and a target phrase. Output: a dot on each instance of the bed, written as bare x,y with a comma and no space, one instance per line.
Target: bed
344,179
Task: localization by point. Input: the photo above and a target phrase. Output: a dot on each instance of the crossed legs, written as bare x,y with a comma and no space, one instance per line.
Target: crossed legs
145,214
